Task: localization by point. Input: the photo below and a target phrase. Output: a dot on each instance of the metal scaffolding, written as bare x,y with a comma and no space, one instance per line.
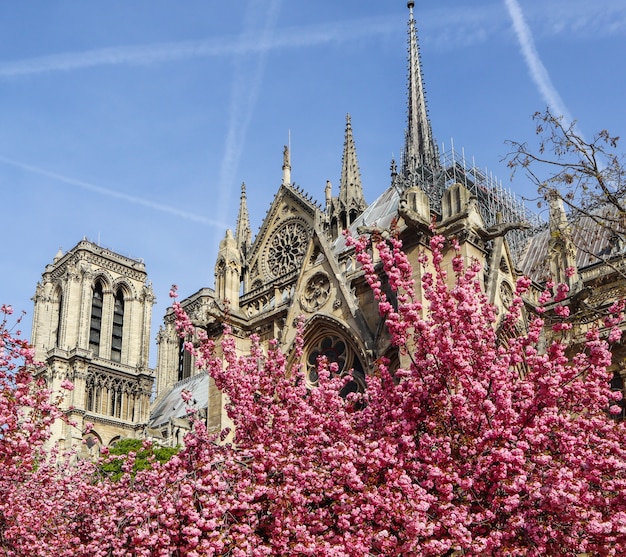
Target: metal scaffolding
496,204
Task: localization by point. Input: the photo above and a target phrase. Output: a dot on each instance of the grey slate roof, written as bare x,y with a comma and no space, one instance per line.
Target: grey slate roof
379,214
594,243
173,406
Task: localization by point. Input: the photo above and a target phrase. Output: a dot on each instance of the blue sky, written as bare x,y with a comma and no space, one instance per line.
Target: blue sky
133,123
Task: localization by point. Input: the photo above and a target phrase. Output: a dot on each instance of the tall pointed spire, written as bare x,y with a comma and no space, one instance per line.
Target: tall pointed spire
350,189
419,147
243,233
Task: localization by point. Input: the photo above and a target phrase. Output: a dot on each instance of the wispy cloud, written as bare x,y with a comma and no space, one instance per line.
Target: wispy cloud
247,80
578,19
538,71
445,28
247,43
186,215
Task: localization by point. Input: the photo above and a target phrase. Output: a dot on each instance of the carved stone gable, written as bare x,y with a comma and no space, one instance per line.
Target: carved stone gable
282,243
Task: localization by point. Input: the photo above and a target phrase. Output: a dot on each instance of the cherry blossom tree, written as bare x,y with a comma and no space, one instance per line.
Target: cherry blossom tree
487,442
513,444
26,413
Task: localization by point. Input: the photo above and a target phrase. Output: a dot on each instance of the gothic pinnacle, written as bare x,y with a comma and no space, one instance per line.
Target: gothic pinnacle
243,233
350,187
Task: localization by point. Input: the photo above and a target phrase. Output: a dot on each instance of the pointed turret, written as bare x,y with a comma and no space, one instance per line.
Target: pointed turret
350,189
228,271
243,233
561,249
419,147
344,209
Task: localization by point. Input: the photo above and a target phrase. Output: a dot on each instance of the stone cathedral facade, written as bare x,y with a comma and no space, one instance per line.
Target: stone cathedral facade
299,265
91,325
92,308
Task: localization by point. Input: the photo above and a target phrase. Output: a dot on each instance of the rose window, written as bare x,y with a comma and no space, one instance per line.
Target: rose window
287,248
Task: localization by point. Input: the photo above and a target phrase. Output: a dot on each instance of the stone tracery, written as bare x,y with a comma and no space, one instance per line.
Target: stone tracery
286,248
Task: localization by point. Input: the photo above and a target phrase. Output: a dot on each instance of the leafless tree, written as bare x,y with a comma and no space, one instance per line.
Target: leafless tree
589,176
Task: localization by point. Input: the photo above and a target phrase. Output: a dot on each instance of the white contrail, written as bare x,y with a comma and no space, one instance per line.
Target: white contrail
113,193
537,70
245,91
577,18
247,43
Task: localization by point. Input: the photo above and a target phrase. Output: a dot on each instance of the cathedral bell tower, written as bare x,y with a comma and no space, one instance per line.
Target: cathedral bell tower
91,326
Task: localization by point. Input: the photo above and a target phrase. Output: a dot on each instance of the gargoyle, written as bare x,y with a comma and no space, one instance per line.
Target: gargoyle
500,229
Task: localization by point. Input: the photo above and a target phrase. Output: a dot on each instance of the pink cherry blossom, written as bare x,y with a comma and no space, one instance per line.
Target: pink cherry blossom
487,441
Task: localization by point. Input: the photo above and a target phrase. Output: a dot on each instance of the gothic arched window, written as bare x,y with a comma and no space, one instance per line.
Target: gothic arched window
336,350
354,214
118,327
115,394
90,398
97,399
334,229
92,443
95,325
94,394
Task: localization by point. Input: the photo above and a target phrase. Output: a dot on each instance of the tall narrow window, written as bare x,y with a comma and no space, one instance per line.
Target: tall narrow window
90,398
95,325
184,361
116,400
97,399
57,341
118,326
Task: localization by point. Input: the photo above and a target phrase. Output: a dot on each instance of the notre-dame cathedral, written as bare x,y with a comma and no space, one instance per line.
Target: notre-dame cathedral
93,307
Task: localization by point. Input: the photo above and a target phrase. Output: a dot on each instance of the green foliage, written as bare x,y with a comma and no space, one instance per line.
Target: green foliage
144,454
